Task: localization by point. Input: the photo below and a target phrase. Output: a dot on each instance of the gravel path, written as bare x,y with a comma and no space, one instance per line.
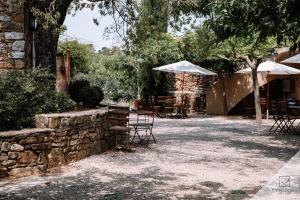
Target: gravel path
195,158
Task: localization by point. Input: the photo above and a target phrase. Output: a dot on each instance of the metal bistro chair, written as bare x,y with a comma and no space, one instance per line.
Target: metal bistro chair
283,122
144,122
118,122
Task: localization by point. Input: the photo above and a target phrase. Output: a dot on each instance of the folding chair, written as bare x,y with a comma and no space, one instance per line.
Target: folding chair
118,122
275,116
283,121
144,122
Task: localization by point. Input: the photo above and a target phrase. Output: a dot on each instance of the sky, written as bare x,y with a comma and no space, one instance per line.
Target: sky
82,27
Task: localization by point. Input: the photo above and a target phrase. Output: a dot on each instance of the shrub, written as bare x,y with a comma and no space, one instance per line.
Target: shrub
85,95
75,89
23,94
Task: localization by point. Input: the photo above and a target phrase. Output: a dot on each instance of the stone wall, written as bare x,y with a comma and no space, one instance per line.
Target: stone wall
11,35
193,86
59,139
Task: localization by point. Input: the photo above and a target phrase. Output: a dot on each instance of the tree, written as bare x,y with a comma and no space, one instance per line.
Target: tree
50,16
253,19
81,55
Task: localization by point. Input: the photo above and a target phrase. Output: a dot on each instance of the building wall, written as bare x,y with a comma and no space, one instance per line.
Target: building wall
193,84
12,43
227,93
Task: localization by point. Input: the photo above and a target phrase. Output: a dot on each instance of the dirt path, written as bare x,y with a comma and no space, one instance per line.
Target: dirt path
196,158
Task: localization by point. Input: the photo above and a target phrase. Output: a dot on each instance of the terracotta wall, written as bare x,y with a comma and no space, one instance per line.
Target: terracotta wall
227,93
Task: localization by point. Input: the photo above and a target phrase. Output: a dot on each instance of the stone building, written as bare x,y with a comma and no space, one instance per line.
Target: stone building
194,88
12,37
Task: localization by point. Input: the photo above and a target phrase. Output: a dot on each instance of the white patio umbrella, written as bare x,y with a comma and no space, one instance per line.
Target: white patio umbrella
271,68
295,59
184,67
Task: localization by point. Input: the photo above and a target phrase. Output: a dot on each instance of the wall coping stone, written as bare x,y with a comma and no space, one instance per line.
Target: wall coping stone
24,132
74,113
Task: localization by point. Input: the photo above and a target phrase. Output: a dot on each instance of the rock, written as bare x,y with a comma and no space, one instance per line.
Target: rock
17,55
29,140
42,159
21,172
4,18
83,133
48,139
13,155
3,172
72,156
13,35
82,154
8,163
65,122
41,121
18,45
19,64
16,147
59,144
56,158
2,47
54,123
41,147
5,146
75,136
18,18
28,157
74,142
3,157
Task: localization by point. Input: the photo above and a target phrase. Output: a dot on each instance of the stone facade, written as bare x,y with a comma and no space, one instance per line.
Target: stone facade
59,139
12,42
194,86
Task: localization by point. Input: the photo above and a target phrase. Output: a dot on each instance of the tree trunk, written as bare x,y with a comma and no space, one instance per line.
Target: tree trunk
256,96
46,48
254,65
46,39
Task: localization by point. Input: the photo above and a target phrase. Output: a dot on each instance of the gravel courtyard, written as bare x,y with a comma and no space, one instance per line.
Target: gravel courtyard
195,158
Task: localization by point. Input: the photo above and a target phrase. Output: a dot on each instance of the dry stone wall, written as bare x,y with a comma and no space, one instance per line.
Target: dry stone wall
12,42
193,86
59,139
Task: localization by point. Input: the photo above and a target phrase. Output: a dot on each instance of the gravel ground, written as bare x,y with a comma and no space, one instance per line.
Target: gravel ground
195,158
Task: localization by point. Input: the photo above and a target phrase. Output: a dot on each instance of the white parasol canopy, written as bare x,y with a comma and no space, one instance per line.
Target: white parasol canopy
185,67
272,68
294,59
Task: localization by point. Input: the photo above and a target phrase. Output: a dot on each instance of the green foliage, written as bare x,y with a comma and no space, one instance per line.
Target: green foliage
75,88
83,94
115,73
155,52
152,20
81,55
198,45
23,94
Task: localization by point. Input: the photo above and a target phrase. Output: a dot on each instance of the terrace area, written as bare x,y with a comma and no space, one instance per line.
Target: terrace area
195,158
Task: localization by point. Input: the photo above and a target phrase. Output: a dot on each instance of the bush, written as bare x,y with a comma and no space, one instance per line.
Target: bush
75,89
23,94
85,95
